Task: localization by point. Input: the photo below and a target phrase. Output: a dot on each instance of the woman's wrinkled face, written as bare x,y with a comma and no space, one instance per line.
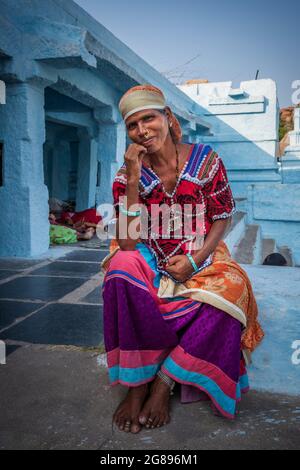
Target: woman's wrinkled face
148,128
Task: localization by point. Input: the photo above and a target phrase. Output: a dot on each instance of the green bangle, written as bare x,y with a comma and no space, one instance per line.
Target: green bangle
191,259
130,213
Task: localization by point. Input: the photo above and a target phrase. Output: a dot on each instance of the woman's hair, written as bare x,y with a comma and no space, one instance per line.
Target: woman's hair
175,129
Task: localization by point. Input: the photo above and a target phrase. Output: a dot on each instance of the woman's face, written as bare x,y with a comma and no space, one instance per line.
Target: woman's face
153,121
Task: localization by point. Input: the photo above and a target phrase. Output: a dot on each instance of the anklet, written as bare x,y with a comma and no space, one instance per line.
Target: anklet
167,380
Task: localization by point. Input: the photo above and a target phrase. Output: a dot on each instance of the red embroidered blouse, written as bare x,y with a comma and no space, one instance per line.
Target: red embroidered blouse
202,185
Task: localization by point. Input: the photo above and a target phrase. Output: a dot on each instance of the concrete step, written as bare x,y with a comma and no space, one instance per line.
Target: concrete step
287,253
248,250
236,230
268,247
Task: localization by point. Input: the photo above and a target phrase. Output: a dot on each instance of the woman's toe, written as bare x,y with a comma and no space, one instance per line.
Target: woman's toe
155,422
127,426
160,422
150,421
121,424
135,427
143,419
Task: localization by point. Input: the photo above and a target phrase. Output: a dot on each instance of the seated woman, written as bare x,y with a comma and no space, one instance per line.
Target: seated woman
174,312
60,234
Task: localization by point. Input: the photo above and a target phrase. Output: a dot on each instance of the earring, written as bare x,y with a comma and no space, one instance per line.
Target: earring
170,124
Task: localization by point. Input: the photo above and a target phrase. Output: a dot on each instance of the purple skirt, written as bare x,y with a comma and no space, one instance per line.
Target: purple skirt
196,344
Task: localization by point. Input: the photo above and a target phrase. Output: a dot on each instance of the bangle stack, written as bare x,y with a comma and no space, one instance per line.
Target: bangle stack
129,213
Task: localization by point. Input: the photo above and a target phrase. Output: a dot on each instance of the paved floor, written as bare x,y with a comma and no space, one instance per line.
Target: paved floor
54,389
53,301
55,397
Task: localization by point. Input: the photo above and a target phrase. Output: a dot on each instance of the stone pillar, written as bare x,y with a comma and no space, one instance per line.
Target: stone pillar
111,150
87,170
290,161
24,226
2,92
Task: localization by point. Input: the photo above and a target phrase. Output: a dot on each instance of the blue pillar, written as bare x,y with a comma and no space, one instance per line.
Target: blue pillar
87,170
24,226
111,150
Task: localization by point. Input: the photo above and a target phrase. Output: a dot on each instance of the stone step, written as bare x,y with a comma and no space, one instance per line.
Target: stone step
287,253
248,250
268,247
236,230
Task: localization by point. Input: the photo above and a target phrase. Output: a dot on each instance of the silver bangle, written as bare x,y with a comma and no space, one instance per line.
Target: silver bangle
167,380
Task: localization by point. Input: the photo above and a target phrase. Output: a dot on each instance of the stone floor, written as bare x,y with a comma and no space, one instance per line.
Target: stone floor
53,301
54,389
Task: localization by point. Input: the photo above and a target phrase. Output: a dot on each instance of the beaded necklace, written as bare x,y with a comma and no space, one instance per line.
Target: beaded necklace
177,170
175,222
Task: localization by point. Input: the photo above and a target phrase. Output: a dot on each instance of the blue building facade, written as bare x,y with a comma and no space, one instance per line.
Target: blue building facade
62,136
61,133
244,131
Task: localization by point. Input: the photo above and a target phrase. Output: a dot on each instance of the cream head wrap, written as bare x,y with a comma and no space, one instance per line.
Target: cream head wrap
141,97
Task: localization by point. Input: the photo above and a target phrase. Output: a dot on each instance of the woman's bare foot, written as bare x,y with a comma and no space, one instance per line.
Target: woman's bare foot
155,412
126,416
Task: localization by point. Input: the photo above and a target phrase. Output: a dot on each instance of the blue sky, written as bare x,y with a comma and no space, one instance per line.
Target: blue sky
227,40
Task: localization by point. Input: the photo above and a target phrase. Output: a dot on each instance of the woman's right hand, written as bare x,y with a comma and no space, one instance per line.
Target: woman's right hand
133,160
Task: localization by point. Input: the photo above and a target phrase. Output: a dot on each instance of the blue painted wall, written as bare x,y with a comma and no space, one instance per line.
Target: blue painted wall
61,121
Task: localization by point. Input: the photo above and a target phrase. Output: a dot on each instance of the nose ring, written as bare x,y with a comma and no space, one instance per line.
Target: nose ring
146,134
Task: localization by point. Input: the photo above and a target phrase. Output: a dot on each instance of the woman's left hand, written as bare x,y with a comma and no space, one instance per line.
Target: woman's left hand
179,267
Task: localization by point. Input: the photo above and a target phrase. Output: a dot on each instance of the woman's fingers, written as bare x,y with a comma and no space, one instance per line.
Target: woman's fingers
133,159
174,258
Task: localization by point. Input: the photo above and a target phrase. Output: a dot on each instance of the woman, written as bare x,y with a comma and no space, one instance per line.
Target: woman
174,312
62,235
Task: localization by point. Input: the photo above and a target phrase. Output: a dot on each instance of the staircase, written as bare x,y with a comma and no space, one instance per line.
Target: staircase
246,244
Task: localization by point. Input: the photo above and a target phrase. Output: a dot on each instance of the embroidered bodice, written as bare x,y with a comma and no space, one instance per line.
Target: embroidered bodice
202,187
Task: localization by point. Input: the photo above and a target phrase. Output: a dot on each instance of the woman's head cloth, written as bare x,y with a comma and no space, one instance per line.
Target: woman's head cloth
141,97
